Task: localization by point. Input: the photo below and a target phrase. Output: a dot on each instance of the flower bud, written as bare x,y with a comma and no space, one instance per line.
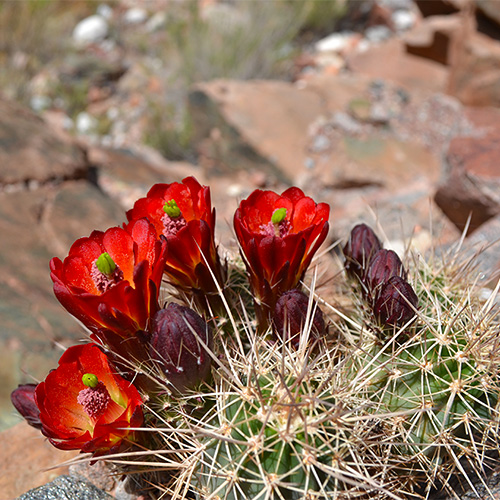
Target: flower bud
396,302
384,265
359,250
178,340
23,399
290,316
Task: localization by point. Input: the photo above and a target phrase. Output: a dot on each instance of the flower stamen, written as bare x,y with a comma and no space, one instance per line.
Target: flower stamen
95,398
105,272
173,220
172,209
279,226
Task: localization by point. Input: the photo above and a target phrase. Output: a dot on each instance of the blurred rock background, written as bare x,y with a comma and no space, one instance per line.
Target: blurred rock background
389,110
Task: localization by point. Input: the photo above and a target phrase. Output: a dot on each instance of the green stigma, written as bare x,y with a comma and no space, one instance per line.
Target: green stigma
172,209
90,380
105,264
278,216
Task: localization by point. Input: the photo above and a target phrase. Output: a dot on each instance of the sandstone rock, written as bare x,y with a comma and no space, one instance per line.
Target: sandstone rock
440,7
387,155
26,456
484,243
31,151
475,75
436,37
472,181
490,9
229,117
125,176
236,134
412,72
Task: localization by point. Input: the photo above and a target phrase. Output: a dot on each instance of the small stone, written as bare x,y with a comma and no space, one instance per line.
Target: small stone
92,29
105,11
157,21
321,143
135,15
346,123
403,19
377,34
336,42
40,102
85,123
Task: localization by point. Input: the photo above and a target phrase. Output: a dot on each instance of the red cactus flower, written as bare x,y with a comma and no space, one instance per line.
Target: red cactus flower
110,281
278,235
182,212
84,405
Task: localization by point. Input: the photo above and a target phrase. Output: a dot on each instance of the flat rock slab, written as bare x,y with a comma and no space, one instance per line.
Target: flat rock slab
471,186
229,115
31,152
389,61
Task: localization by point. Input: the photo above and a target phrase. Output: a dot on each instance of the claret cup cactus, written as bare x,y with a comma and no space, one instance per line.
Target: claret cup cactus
251,379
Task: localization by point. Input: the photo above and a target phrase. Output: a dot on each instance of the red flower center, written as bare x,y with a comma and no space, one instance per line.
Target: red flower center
278,226
104,281
94,400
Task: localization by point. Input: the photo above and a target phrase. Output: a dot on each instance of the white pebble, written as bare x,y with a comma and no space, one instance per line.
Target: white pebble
135,15
92,29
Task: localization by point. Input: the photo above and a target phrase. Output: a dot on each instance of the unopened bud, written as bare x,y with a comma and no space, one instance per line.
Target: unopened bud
359,250
105,264
172,209
384,265
179,342
23,399
290,317
396,302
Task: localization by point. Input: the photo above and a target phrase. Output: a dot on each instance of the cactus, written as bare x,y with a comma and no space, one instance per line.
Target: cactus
370,410
384,383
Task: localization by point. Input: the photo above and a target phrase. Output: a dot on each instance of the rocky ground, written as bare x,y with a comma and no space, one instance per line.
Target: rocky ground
393,119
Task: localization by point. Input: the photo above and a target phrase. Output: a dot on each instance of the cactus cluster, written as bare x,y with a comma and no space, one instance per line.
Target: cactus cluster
256,380
382,404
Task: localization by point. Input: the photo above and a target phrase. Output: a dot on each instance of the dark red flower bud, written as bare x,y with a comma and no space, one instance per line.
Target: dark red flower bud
291,316
384,265
23,399
179,342
396,302
359,250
